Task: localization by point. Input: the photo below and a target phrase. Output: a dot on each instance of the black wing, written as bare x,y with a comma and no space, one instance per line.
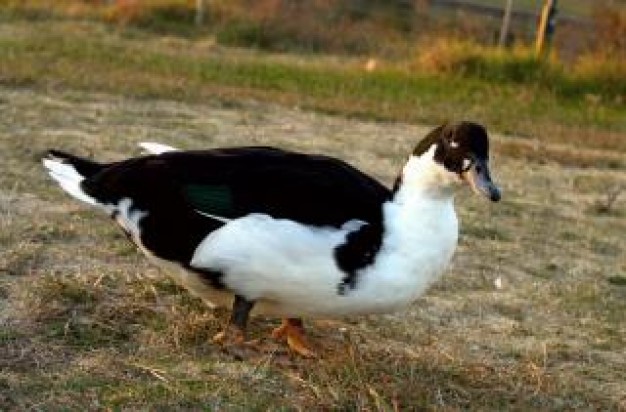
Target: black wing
230,183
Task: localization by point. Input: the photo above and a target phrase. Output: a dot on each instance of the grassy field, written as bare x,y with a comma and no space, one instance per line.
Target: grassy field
87,324
540,103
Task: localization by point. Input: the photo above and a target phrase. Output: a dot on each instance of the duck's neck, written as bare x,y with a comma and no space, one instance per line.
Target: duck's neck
413,242
422,207
423,179
420,232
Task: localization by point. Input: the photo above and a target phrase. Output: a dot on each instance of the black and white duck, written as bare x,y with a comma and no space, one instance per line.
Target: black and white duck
289,234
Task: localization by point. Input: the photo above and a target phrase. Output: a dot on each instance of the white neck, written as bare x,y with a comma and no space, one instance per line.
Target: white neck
420,234
423,178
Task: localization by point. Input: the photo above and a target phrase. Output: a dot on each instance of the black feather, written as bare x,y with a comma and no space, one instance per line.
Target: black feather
174,186
83,166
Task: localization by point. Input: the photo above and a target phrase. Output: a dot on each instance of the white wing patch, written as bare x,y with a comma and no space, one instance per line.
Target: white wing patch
156,148
129,218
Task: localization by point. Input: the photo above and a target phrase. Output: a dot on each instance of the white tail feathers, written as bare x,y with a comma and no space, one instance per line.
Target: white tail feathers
156,148
68,178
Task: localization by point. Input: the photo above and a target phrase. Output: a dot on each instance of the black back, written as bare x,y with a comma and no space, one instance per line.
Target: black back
174,186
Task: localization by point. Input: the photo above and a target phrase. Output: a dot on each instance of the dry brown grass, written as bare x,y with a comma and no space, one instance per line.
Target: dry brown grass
86,323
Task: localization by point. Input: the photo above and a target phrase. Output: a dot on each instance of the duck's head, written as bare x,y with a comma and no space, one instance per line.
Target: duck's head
454,153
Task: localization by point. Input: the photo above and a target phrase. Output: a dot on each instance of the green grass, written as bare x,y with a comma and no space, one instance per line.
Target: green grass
84,58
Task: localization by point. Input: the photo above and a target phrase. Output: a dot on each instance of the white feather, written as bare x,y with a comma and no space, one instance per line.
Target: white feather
68,178
129,218
466,163
156,148
216,217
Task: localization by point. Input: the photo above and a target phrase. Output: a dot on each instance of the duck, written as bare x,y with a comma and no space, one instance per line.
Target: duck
264,230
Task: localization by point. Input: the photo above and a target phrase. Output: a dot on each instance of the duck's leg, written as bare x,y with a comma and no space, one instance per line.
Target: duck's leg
292,329
235,331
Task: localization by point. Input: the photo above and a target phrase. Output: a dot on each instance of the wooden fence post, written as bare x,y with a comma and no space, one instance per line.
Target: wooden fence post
546,26
506,22
200,11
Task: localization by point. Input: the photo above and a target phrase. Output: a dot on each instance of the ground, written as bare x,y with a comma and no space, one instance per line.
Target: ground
530,315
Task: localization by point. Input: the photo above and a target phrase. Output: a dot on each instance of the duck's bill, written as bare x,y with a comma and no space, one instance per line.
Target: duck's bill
479,179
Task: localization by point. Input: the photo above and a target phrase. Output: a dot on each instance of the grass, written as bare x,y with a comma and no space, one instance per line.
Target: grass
81,56
103,329
87,323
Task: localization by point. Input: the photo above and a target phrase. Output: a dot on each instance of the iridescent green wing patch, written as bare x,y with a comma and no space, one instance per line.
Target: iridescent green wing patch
212,199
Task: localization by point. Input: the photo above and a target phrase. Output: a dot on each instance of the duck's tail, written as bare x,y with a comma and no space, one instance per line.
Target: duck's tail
69,171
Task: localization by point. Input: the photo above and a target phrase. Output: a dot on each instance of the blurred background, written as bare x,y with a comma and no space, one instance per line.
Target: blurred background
570,50
391,29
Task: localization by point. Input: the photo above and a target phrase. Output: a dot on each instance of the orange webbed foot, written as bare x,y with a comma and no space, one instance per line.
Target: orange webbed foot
233,341
292,331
